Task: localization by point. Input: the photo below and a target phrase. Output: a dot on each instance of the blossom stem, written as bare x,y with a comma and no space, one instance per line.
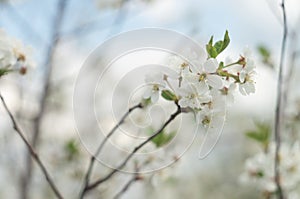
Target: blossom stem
278,111
227,74
234,63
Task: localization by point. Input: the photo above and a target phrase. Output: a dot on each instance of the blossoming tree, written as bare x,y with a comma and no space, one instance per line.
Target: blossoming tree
199,84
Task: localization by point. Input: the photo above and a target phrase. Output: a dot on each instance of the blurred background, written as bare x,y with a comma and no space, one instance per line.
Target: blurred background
62,36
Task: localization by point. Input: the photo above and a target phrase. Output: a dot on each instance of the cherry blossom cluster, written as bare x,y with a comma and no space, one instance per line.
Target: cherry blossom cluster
14,56
203,84
259,169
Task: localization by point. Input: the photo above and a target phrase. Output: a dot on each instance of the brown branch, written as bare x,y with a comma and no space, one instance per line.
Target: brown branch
278,113
135,150
32,152
57,22
290,70
93,158
135,178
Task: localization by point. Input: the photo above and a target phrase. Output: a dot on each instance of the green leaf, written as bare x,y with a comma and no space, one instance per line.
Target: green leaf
261,134
226,40
264,52
169,95
163,138
214,50
265,55
71,149
210,49
211,41
219,46
4,71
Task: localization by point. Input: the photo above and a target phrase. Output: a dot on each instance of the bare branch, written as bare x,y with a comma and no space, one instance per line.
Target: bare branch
32,152
135,178
136,149
278,113
290,70
93,158
45,91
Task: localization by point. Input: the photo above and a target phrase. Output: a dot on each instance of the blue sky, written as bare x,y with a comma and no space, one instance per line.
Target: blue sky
249,23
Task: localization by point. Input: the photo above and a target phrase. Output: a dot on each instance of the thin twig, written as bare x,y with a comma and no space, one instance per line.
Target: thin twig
278,113
136,149
31,150
45,92
93,158
126,187
135,178
291,69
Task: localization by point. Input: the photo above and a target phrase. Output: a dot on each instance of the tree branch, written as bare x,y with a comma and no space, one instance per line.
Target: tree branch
136,149
45,92
93,158
32,152
278,113
135,178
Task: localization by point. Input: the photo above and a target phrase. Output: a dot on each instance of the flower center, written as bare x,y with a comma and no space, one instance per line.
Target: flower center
183,65
202,77
155,87
206,121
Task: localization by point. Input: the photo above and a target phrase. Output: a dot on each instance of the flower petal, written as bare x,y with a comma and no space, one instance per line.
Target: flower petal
215,81
211,65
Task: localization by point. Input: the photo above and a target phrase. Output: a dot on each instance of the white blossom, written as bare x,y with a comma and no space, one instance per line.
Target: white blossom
14,56
259,169
212,113
203,85
205,76
191,96
155,83
228,93
179,65
247,74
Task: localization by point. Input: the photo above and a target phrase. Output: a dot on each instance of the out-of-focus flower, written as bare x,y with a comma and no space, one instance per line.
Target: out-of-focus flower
14,56
259,169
